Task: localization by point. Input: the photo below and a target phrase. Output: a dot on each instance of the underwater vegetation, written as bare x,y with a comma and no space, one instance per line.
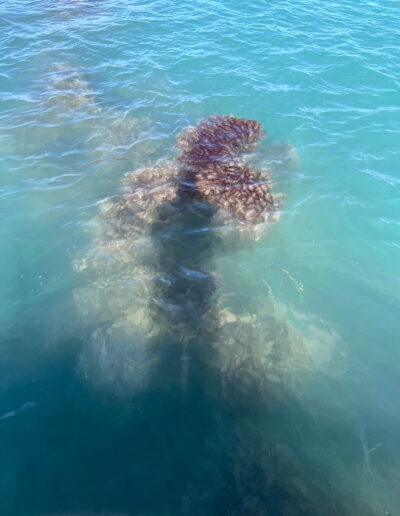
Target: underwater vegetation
67,87
210,154
141,251
164,331
151,257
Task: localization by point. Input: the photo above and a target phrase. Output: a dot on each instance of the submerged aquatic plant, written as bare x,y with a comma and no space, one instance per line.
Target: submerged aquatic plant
162,226
151,272
165,328
210,156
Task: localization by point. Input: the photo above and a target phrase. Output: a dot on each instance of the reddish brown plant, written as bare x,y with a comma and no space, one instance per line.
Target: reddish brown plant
210,158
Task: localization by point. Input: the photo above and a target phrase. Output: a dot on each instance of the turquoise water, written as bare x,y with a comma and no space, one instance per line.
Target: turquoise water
84,433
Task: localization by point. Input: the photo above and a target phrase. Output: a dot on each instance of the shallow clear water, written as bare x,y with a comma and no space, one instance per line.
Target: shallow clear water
83,433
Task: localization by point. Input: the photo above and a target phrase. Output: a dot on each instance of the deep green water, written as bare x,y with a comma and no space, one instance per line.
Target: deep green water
81,433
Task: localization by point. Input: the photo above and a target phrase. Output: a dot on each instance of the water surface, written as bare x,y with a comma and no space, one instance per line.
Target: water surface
80,433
